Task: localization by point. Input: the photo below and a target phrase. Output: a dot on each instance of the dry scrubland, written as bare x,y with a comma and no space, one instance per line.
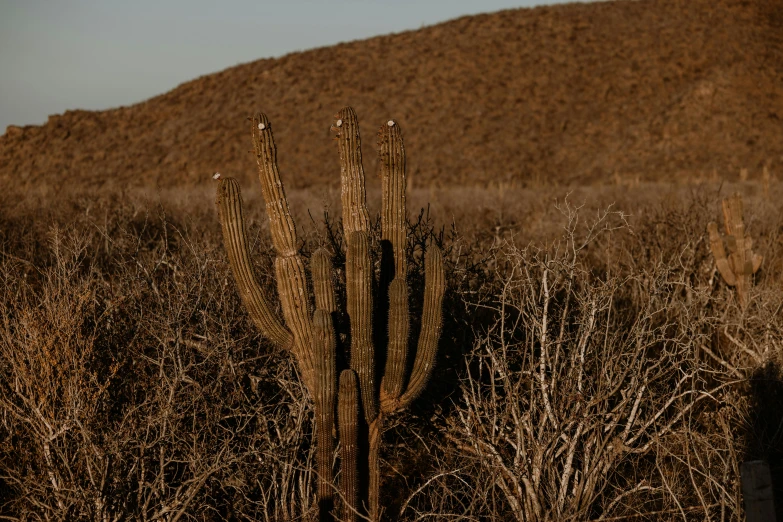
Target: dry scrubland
593,364
134,386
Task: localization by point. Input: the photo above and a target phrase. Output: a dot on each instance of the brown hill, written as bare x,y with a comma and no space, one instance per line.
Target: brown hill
583,93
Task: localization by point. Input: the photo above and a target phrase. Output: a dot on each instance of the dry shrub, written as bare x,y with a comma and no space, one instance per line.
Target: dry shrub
131,387
597,392
608,373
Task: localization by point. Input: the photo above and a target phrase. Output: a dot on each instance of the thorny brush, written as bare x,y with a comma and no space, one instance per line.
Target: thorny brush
605,364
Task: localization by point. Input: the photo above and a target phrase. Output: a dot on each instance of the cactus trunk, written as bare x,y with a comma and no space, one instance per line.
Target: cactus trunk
358,270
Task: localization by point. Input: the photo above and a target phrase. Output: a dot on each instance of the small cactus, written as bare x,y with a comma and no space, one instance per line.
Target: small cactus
310,336
738,267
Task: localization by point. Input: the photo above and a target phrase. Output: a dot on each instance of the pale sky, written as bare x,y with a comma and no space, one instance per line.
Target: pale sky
57,55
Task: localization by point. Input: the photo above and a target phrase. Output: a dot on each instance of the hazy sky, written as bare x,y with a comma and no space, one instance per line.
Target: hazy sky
95,54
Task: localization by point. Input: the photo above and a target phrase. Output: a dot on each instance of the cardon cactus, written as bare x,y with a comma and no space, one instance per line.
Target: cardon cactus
310,336
738,267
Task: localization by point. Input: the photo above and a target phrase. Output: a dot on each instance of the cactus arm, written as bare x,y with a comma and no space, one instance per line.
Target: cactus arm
281,224
757,259
229,202
391,160
323,286
431,322
325,353
349,145
396,360
289,268
391,154
722,262
359,275
348,425
291,285
752,259
744,256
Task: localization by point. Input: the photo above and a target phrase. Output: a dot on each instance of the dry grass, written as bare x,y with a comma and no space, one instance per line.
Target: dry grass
593,365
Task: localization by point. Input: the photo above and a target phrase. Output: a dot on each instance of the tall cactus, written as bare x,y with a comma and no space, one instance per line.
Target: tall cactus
310,336
738,267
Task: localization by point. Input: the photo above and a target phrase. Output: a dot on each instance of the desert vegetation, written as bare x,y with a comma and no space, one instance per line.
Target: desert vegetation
593,362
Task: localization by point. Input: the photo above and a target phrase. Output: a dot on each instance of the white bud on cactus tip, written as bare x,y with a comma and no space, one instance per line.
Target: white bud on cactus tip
261,126
216,176
390,123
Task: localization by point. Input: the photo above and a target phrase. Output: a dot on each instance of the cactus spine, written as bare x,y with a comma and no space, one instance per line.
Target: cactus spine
310,336
738,267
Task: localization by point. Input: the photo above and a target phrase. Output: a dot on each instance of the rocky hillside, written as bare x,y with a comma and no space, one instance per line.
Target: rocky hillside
579,93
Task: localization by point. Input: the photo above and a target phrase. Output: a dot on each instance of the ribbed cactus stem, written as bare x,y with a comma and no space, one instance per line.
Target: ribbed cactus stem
746,261
358,269
291,285
721,260
756,259
323,286
325,360
732,217
431,322
397,355
348,426
289,268
349,145
229,203
392,161
281,224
